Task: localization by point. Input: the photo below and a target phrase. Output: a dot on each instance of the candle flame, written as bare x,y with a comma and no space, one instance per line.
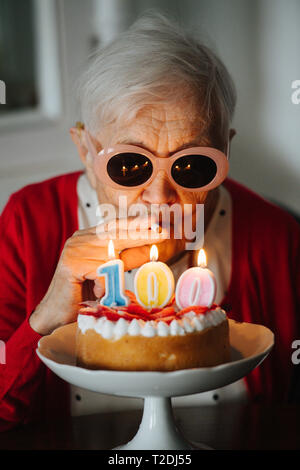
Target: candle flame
111,250
202,258
154,253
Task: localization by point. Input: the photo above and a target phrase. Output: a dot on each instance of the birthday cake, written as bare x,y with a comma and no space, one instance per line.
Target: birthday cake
134,338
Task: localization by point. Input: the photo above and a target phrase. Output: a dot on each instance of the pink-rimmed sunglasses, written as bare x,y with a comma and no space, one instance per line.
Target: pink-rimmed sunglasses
131,167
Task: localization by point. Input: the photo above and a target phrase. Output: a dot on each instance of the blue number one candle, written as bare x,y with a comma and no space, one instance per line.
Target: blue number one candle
113,271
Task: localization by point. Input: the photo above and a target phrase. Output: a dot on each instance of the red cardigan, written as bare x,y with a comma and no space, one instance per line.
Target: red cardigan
37,220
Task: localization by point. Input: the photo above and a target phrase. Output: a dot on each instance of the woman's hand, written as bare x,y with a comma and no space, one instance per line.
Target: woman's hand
82,254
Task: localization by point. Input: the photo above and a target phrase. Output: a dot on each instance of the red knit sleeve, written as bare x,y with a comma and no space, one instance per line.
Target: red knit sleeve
21,373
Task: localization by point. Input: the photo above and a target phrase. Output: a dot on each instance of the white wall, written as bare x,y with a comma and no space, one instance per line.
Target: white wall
259,42
34,154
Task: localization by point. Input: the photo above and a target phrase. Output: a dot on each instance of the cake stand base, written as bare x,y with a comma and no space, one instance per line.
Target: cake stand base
157,430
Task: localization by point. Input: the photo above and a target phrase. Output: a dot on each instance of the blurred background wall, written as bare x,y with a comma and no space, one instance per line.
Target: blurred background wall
44,45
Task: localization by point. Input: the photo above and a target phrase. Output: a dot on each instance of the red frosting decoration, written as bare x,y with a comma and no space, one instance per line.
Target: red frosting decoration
135,310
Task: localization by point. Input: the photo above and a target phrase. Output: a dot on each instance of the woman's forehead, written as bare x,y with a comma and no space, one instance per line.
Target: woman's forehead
166,127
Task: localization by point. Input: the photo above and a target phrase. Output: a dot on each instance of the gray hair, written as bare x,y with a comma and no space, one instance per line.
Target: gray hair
155,60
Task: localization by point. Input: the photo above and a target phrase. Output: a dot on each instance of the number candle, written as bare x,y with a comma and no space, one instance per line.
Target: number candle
196,286
113,271
154,282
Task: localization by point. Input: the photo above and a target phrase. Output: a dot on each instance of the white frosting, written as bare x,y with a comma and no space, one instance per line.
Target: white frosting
189,323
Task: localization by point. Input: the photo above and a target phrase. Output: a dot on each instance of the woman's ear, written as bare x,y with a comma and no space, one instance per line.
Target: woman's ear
232,133
77,135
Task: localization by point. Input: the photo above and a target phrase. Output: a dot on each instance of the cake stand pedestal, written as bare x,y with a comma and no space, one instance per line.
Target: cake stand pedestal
250,345
157,429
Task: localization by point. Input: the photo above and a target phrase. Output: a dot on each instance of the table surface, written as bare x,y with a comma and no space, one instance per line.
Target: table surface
255,427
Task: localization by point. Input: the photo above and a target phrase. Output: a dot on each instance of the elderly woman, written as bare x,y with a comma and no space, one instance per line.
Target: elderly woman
157,89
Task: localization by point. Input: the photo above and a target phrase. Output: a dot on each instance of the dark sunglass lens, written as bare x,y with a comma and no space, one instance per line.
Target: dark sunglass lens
193,171
129,169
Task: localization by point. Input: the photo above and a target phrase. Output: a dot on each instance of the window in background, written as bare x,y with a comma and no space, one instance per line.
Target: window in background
17,55
30,62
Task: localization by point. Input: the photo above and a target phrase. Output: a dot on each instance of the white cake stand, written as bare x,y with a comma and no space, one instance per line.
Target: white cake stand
250,345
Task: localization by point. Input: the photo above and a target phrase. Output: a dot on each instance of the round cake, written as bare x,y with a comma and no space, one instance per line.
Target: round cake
135,339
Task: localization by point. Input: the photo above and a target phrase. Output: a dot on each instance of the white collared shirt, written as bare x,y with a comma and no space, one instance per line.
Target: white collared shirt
218,247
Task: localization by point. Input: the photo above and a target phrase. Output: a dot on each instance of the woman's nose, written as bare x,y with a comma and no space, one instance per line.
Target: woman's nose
160,190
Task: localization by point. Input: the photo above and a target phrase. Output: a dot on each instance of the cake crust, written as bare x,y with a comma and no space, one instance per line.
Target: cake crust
206,348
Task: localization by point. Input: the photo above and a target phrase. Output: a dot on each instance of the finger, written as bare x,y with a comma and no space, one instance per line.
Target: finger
122,234
130,229
135,257
85,269
99,287
128,223
124,239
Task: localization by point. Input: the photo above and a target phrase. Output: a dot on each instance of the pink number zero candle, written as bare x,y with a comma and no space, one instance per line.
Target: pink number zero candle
196,286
